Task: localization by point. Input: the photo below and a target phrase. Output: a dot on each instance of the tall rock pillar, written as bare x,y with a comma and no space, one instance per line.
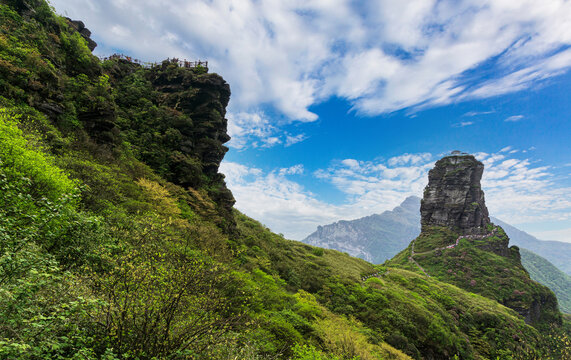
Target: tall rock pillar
454,197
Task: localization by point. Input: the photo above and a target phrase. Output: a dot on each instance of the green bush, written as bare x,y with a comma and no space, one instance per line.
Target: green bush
20,161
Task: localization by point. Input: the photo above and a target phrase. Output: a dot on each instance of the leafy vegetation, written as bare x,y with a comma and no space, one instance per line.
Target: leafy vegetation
547,274
556,252
486,267
118,239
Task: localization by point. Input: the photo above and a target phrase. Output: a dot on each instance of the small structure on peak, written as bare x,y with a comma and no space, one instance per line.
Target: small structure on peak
454,197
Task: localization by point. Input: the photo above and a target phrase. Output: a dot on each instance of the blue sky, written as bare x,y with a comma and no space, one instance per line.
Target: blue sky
339,108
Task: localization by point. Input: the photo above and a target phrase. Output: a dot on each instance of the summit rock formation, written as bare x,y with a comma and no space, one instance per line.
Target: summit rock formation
459,245
454,197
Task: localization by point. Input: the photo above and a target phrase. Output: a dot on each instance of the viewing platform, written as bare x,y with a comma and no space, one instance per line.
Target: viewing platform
149,65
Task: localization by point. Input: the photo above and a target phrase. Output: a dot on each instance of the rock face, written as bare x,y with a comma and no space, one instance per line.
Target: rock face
79,26
183,140
459,244
453,196
203,98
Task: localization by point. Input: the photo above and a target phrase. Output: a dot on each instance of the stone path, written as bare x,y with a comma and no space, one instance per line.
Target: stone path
470,237
410,258
413,253
374,275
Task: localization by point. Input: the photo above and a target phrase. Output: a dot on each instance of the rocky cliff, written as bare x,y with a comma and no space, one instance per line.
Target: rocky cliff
453,197
170,117
458,244
175,118
79,26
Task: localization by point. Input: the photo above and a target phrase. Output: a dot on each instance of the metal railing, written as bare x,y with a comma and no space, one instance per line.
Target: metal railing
147,64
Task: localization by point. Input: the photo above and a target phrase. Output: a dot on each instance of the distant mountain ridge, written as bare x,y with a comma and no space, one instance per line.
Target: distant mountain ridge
374,238
547,274
556,252
393,230
379,237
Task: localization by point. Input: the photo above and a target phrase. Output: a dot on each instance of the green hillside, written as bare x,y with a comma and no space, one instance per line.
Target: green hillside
477,266
118,239
547,274
388,233
556,252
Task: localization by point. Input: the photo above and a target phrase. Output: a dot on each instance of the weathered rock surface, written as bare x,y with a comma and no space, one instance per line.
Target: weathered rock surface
453,204
79,26
204,99
453,196
189,129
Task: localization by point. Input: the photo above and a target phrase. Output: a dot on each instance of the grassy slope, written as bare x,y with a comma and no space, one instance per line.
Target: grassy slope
556,252
101,256
547,274
471,266
383,228
398,305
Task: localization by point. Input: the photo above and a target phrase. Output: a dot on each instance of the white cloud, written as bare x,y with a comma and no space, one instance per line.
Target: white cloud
237,172
243,127
255,130
291,140
514,118
293,170
478,113
287,207
409,159
283,205
463,124
380,55
351,163
271,141
522,192
557,235
518,190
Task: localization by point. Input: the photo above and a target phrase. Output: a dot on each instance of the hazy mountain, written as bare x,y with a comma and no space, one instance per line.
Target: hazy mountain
374,238
379,237
556,252
547,274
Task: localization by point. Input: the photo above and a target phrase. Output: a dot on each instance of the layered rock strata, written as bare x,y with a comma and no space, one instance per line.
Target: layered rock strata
453,208
453,196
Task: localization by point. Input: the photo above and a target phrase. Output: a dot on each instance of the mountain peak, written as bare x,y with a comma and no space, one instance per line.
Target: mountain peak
411,203
454,197
376,237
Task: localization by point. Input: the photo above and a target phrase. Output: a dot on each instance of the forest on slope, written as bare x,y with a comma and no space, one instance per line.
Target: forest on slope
118,239
547,274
